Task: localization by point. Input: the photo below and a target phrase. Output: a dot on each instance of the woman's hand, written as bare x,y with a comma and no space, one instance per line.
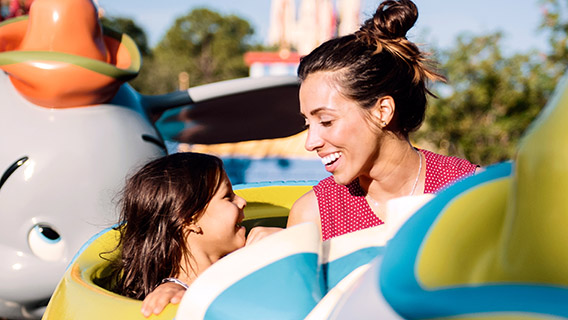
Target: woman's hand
158,299
259,233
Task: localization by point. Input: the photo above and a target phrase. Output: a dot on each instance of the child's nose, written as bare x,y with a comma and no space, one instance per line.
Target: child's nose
241,202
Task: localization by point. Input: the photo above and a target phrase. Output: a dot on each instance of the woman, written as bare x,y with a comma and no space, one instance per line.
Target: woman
182,216
362,95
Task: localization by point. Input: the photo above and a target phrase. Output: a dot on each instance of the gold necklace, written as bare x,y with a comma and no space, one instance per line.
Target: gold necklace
413,187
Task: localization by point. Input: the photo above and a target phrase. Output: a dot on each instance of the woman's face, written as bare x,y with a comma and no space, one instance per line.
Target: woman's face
337,129
221,230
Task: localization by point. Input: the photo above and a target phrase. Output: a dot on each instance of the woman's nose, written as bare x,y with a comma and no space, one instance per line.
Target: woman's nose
313,141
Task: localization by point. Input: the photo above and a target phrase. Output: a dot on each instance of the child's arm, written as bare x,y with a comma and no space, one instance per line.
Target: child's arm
158,299
259,233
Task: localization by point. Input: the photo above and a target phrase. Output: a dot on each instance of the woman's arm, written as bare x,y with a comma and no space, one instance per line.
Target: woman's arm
305,209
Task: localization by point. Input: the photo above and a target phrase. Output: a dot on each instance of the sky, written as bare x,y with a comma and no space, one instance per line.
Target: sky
439,22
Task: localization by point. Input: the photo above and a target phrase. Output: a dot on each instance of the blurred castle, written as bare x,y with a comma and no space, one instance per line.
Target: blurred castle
294,36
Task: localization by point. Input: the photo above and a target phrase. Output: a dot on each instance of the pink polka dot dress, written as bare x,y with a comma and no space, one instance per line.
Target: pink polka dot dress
343,209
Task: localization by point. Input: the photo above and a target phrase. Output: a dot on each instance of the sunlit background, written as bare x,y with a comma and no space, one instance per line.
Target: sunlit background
502,59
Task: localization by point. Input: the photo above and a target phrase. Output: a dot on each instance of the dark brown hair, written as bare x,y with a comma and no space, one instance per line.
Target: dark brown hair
157,203
378,61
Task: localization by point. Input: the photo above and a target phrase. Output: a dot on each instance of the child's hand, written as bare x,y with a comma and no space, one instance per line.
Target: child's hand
259,233
158,299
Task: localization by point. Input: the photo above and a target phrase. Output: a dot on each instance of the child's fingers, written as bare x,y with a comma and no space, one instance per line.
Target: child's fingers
177,298
158,299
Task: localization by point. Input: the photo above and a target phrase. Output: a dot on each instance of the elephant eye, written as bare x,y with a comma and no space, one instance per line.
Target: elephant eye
46,243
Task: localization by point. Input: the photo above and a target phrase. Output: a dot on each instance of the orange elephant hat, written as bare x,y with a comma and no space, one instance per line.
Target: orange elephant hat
61,57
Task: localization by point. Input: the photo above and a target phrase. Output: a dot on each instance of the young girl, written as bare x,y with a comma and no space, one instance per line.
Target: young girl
180,216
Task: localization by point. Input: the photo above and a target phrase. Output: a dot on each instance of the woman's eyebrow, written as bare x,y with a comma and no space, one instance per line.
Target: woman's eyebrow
318,110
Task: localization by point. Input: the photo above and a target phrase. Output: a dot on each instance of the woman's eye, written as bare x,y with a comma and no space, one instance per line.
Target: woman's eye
326,123
46,243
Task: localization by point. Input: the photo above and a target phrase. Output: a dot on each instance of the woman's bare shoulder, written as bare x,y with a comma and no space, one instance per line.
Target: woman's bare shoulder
305,209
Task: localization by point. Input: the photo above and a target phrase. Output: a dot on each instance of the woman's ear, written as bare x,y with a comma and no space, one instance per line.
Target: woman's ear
383,110
194,227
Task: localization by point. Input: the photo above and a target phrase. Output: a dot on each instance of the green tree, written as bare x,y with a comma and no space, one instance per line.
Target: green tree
206,45
489,100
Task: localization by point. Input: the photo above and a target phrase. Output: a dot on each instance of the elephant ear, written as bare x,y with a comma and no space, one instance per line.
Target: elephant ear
229,111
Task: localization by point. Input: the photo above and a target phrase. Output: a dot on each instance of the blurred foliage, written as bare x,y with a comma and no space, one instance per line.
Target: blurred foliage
555,22
482,112
490,98
488,102
206,45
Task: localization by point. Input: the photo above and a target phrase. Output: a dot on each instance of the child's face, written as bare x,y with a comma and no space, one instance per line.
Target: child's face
222,232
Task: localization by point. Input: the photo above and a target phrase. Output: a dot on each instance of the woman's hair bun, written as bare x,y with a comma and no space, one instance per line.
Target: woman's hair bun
391,21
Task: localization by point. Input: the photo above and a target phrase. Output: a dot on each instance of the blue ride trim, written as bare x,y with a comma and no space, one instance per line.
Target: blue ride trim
336,270
401,289
288,288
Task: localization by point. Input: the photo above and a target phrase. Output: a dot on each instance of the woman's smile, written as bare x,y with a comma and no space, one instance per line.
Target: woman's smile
332,161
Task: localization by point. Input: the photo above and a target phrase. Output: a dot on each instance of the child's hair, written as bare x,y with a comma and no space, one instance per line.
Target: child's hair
157,204
378,60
